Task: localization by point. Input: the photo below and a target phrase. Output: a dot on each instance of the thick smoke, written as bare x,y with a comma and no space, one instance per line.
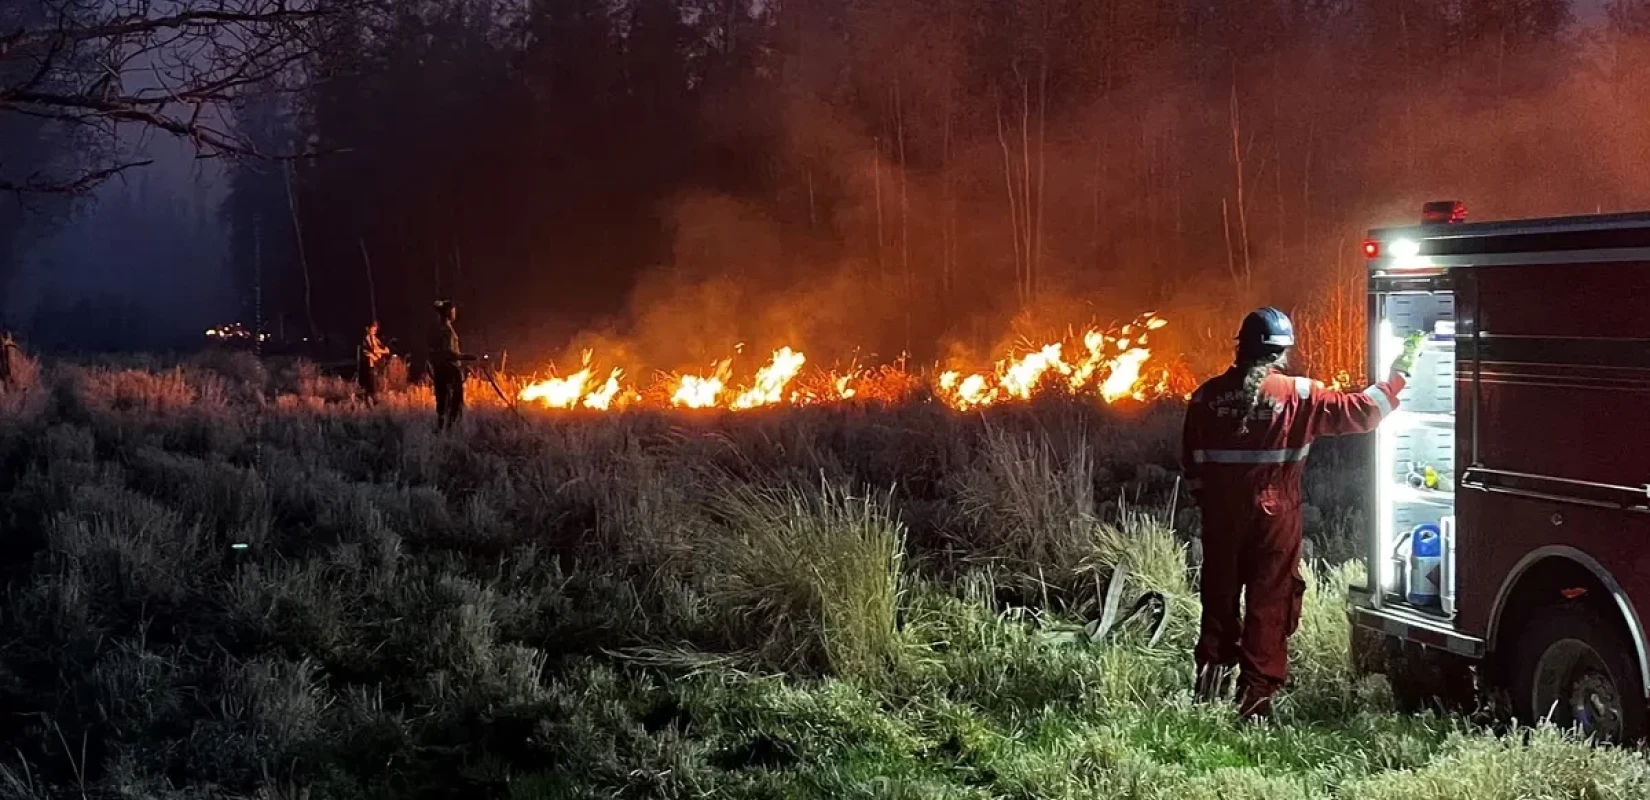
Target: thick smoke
1197,196
861,180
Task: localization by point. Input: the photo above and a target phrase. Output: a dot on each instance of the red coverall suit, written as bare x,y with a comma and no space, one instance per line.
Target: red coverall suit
1249,487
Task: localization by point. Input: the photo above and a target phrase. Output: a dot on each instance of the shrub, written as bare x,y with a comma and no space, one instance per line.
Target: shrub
812,576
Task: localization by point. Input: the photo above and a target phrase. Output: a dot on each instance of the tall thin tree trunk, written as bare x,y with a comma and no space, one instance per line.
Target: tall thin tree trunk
1097,177
948,243
876,179
1148,146
1179,208
1306,189
372,288
258,282
1025,186
1237,168
812,218
1226,226
948,224
1013,203
1042,162
1277,143
904,213
1023,229
1277,181
303,258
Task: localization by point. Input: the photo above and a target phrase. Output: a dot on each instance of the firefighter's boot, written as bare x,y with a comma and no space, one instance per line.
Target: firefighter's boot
1254,705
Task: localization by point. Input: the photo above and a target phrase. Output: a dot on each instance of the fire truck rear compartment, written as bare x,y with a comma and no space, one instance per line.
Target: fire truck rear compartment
1415,469
1542,432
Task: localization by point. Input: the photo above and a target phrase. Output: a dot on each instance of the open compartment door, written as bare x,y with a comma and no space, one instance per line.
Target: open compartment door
1414,470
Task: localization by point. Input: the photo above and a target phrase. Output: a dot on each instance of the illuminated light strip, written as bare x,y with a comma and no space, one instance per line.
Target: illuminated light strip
1385,343
1418,263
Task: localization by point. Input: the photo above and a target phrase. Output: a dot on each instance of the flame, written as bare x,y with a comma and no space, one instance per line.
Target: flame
1125,376
560,392
694,391
772,379
602,399
1022,377
1112,365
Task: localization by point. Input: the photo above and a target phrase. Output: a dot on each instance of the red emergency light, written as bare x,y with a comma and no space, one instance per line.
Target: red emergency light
1443,212
1372,248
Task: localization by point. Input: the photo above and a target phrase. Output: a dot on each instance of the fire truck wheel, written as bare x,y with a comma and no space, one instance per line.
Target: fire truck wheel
1572,666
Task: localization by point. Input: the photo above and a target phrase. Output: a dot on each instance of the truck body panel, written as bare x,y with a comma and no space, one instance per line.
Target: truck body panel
1542,434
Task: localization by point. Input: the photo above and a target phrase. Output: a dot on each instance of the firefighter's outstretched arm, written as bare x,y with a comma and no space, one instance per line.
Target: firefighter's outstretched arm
1336,413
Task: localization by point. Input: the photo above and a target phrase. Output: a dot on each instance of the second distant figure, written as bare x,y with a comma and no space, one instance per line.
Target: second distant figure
447,366
370,360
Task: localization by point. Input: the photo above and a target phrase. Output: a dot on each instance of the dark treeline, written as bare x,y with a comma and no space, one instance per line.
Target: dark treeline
682,175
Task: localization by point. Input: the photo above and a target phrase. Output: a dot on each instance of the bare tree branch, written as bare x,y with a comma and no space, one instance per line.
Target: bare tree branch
130,110
108,66
75,185
201,21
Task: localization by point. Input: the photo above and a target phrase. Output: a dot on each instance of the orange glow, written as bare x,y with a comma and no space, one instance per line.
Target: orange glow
1108,365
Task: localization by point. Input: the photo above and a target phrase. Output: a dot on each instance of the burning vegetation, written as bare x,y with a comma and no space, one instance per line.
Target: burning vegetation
1111,364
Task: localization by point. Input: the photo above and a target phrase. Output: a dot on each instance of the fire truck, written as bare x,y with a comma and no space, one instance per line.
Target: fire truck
1508,543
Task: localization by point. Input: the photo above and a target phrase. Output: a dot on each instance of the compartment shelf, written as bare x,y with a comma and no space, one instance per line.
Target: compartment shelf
1437,420
1404,493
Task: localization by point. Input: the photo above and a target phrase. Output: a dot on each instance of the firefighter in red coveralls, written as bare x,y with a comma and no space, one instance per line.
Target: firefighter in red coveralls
1247,435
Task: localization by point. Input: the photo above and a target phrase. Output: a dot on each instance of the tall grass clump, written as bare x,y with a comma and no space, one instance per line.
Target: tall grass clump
1024,504
813,578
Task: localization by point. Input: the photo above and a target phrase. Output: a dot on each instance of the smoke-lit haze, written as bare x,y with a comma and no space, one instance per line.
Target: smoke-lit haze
860,181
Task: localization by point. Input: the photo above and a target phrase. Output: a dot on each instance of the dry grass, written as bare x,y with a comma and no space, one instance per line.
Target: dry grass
223,580
813,575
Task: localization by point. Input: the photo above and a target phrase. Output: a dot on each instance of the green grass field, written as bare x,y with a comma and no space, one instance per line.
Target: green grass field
225,583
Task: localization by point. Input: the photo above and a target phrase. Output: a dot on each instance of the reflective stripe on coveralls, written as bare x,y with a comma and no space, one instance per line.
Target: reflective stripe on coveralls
1382,402
1286,456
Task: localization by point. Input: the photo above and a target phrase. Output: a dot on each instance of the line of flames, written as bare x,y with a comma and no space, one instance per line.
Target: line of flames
1114,365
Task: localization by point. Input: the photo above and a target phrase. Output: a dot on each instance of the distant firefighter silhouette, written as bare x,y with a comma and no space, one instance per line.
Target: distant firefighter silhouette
10,355
370,359
447,362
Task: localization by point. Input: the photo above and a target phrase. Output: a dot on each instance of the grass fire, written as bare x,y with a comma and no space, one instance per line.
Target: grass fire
1111,365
